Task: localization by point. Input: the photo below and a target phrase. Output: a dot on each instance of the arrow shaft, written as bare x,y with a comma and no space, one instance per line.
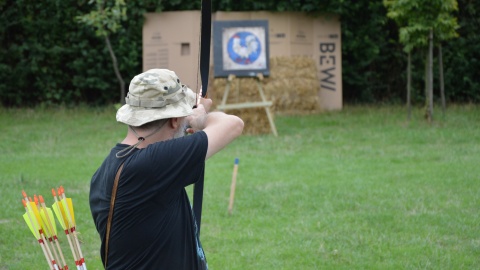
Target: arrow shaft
37,229
72,228
54,236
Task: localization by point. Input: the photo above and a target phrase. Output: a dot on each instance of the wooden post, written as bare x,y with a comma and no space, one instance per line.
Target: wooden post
233,186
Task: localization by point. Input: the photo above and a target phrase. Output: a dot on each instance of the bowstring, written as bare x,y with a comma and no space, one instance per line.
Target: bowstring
198,87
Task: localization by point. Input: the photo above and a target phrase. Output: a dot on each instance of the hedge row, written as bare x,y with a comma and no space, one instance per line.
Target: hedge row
48,58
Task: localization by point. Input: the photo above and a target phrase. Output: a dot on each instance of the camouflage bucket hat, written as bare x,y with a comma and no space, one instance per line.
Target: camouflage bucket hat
153,95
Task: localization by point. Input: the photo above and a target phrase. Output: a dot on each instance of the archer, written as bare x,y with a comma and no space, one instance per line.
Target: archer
137,196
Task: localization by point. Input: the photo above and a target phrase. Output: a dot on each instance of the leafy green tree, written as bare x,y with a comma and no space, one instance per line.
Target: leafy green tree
463,55
106,20
419,22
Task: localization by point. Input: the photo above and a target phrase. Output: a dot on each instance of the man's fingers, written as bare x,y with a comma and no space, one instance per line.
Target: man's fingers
207,103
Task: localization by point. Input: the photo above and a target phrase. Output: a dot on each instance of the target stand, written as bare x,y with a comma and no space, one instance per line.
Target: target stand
258,104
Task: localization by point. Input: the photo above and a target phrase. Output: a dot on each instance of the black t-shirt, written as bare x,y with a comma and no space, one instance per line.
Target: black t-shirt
153,226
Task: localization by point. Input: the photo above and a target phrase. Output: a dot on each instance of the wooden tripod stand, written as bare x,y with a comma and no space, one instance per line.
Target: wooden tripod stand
263,103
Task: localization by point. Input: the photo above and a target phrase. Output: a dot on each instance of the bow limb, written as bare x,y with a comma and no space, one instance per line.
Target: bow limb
206,25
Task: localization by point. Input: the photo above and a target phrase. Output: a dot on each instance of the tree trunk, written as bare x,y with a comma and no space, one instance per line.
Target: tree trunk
430,76
442,85
426,80
117,72
409,85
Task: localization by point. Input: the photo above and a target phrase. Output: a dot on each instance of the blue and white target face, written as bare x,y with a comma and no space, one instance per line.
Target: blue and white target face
244,48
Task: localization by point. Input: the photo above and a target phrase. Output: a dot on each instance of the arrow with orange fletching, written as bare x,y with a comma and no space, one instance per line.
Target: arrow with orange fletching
47,230
51,229
63,208
34,221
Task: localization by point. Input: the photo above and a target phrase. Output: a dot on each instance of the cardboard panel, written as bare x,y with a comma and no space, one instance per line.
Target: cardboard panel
279,31
328,56
301,29
170,41
232,16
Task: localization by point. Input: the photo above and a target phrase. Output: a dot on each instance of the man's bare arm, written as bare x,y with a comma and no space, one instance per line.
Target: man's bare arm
221,128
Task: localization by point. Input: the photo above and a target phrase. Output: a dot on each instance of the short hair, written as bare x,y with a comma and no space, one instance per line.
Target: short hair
154,124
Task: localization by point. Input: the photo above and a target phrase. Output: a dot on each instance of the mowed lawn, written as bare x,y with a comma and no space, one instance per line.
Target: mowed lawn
362,188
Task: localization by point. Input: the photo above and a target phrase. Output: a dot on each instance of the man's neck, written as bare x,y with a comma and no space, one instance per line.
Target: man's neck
148,136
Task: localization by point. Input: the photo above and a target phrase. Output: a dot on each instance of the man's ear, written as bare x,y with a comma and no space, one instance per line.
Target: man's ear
174,122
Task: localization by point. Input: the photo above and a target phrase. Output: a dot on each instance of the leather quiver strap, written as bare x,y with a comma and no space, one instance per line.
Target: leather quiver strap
110,213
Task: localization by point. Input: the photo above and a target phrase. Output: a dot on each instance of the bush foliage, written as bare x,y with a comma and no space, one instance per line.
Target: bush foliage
47,57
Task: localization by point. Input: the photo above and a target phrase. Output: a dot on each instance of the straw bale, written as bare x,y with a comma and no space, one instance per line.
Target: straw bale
292,87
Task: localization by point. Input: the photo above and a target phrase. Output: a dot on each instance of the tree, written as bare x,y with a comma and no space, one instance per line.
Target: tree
419,22
106,21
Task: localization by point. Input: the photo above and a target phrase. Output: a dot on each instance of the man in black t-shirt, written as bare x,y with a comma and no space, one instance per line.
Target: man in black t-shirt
153,226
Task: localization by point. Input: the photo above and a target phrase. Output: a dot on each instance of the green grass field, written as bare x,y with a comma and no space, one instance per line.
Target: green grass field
357,189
